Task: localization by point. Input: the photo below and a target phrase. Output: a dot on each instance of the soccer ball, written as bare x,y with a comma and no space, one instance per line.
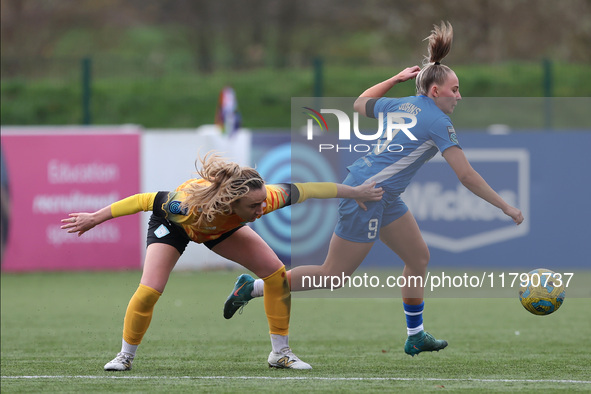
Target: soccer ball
543,292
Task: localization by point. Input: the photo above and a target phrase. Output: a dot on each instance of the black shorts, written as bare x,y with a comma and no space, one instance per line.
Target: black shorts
162,231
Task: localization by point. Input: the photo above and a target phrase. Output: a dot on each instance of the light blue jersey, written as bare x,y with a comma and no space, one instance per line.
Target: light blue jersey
394,167
393,164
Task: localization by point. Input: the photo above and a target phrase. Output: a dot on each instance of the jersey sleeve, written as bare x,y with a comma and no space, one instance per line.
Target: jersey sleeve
133,204
285,194
384,105
443,134
279,196
314,190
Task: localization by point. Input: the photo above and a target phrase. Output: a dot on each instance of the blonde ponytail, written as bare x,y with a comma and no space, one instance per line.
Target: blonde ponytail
440,41
439,46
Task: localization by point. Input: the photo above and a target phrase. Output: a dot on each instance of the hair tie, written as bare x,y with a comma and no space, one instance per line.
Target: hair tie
437,63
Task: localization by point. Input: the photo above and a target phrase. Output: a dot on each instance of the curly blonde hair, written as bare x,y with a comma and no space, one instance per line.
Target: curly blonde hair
228,183
433,71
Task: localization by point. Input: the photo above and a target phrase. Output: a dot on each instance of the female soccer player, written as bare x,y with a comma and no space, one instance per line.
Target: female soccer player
213,210
389,220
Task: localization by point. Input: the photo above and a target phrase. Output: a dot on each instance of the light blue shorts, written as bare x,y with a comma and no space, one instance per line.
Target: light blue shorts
357,225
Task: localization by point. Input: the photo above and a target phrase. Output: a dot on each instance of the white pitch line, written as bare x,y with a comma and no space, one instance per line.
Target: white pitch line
300,378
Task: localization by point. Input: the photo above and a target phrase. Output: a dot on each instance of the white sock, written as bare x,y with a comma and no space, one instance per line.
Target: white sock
415,330
279,342
257,288
128,348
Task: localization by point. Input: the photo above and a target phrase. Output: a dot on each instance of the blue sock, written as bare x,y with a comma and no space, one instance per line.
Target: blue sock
414,318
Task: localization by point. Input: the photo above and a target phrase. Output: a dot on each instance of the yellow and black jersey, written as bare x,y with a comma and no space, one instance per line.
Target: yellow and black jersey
168,205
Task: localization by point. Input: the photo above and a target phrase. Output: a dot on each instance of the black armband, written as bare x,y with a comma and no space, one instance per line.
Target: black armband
292,192
370,107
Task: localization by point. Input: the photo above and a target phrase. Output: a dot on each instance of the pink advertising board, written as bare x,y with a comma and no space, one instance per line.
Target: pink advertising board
50,172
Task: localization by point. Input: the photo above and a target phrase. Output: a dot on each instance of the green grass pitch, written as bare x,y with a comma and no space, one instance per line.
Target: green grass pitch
59,329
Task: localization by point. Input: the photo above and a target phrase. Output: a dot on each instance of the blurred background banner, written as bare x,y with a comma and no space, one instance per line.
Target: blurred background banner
52,172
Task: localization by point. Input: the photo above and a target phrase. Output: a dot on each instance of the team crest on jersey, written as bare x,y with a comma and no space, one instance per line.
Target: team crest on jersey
452,135
175,208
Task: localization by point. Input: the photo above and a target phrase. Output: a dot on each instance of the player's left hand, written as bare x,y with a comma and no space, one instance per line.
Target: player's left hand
367,192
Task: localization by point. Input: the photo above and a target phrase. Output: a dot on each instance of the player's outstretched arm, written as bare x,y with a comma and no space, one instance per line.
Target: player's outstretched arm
472,180
322,190
81,222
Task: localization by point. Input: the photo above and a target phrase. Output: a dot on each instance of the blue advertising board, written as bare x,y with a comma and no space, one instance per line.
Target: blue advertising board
271,156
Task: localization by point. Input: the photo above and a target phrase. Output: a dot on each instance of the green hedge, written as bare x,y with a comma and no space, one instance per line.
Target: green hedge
185,100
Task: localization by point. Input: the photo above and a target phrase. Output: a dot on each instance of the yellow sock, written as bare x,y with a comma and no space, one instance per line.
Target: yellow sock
139,314
277,300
